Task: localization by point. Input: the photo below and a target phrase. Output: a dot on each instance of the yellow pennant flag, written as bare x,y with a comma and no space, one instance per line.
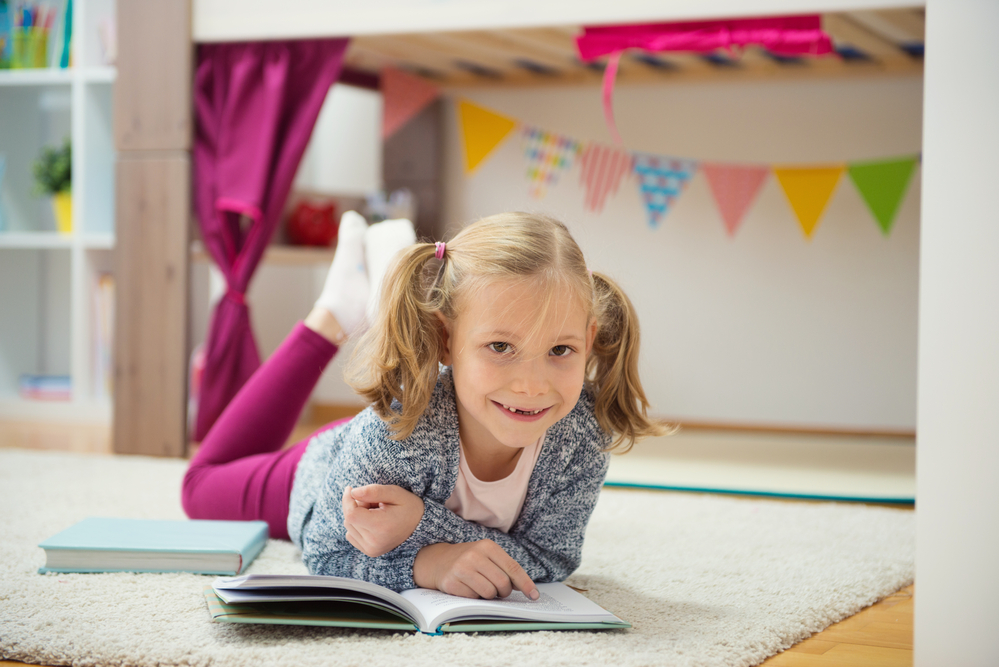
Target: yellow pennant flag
808,189
482,131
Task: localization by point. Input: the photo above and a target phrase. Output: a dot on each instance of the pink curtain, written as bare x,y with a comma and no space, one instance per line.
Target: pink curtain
255,106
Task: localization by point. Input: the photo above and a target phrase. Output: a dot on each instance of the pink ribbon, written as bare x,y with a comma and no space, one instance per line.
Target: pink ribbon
610,74
783,35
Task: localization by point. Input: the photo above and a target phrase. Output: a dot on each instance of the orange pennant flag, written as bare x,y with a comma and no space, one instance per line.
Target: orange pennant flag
808,190
404,95
482,131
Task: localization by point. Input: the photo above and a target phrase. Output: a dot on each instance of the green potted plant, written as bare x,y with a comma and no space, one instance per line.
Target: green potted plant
53,177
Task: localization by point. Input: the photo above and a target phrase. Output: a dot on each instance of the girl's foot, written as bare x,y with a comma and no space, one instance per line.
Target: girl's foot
381,243
345,294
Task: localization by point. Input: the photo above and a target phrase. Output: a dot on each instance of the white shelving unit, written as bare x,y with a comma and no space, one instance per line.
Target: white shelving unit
48,279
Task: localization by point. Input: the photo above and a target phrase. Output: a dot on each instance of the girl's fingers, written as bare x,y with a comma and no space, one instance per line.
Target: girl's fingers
514,572
374,494
482,585
460,589
500,581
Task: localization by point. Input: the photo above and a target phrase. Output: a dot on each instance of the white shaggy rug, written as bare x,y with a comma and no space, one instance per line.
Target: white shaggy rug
704,581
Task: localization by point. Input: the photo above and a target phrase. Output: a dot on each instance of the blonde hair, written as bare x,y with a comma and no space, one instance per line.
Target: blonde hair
397,359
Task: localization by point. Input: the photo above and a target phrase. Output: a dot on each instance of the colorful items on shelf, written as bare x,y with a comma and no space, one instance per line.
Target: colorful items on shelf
25,35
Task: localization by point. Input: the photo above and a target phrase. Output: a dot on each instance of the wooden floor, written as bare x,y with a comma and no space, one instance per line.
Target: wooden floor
879,636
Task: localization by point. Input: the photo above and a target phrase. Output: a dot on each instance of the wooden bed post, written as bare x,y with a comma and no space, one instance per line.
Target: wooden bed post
153,125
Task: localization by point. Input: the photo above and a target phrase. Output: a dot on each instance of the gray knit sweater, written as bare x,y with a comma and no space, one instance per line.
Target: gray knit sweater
546,539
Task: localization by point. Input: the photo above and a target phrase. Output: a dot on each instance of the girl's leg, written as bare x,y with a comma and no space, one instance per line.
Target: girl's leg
240,471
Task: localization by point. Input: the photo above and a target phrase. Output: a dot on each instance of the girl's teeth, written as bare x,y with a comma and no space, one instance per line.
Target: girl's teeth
522,412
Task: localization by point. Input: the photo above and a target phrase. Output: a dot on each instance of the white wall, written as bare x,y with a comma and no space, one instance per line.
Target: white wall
768,327
957,464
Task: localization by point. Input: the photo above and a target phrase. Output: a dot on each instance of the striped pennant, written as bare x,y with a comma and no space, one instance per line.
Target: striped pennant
661,179
548,155
602,168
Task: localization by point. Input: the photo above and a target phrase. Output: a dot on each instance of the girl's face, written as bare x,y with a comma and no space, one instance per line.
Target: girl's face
516,369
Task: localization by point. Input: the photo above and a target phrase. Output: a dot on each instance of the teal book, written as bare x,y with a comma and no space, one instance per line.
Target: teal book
351,603
151,545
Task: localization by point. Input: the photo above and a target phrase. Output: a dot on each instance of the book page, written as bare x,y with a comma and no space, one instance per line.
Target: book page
558,603
278,587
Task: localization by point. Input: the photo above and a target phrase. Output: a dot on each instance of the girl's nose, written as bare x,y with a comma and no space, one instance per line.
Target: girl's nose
531,378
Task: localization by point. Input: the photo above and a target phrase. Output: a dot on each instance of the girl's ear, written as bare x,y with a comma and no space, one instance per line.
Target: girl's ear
591,335
445,328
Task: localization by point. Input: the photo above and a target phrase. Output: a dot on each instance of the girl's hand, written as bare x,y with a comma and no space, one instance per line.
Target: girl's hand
471,570
380,517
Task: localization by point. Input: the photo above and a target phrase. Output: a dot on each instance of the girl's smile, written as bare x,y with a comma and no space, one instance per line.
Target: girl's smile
518,368
522,414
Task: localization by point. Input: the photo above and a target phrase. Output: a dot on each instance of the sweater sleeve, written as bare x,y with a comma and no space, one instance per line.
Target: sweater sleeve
325,548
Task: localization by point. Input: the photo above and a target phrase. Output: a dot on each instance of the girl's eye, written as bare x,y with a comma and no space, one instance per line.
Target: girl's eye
499,347
561,350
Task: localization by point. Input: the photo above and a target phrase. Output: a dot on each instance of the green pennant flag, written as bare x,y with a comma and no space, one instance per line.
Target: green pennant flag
882,185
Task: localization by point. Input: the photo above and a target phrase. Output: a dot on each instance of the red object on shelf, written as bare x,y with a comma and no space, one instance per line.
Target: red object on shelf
312,224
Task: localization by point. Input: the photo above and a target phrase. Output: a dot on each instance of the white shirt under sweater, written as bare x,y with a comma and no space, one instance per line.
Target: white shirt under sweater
494,504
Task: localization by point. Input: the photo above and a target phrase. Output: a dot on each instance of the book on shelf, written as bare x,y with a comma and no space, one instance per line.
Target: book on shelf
351,603
100,544
45,387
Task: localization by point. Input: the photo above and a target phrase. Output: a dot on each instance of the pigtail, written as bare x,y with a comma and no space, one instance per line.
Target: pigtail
397,359
612,369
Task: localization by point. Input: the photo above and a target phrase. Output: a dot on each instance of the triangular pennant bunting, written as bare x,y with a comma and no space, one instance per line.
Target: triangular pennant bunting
601,171
404,95
734,188
882,185
548,155
808,190
482,130
661,179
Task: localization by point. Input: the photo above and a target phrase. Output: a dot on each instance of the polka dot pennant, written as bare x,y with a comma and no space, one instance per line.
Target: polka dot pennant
548,156
661,180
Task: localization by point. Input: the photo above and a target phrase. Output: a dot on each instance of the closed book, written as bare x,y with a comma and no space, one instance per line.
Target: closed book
151,545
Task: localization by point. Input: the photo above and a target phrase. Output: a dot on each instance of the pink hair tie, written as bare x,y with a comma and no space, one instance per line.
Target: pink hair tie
441,247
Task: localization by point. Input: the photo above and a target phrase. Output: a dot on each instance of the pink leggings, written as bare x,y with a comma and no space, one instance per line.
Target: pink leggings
240,472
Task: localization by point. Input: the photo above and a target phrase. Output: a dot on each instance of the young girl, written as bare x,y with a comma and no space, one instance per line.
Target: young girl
500,373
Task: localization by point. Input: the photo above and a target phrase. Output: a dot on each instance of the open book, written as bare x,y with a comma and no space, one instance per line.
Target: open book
351,603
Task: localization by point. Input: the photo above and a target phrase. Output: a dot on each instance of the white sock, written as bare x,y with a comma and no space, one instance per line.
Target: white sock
346,291
381,243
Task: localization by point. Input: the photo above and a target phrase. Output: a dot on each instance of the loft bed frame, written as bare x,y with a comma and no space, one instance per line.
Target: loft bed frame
871,42
455,44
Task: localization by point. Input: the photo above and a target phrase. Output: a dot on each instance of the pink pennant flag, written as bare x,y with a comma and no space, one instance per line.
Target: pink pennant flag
602,169
404,96
735,188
